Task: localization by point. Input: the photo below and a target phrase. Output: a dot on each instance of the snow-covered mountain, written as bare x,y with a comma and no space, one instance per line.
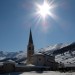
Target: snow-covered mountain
50,49
54,47
16,56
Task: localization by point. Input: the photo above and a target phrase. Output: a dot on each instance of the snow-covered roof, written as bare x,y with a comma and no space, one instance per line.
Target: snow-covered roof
9,61
37,54
1,63
30,65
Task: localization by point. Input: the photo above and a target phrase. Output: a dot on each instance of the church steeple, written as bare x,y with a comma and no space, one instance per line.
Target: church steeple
30,48
30,38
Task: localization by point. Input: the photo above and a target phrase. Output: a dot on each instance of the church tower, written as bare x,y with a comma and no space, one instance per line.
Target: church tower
30,48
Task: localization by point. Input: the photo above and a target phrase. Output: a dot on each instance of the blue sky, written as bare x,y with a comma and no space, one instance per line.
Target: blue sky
17,16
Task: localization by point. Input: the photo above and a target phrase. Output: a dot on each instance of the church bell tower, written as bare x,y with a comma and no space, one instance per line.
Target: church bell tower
30,48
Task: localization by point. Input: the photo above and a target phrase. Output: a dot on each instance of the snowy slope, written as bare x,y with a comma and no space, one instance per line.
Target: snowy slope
16,56
50,49
68,59
54,47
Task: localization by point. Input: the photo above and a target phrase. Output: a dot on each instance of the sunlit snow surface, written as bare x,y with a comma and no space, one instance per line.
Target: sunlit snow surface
41,73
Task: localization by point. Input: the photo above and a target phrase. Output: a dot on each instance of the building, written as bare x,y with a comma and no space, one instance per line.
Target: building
7,66
38,59
30,48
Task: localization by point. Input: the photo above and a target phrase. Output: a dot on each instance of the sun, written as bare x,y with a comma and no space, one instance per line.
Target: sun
44,9
44,12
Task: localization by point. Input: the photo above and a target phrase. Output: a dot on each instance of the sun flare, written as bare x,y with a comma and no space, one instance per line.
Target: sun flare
44,12
44,9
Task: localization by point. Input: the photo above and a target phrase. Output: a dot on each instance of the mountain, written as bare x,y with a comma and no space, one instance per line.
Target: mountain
16,56
50,49
70,48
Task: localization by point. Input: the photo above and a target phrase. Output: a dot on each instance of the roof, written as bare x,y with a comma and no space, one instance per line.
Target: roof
1,63
38,54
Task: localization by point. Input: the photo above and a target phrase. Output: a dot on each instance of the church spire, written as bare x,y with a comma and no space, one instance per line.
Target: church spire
30,38
30,48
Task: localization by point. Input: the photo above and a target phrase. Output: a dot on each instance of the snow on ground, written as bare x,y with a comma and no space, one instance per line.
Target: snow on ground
65,58
68,59
47,73
40,73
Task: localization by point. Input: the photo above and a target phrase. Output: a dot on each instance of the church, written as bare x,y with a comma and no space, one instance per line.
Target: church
38,59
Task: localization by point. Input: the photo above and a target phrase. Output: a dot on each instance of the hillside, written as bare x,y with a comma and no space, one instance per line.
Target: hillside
15,56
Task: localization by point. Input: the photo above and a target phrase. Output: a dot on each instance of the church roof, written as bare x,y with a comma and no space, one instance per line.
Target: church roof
38,54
